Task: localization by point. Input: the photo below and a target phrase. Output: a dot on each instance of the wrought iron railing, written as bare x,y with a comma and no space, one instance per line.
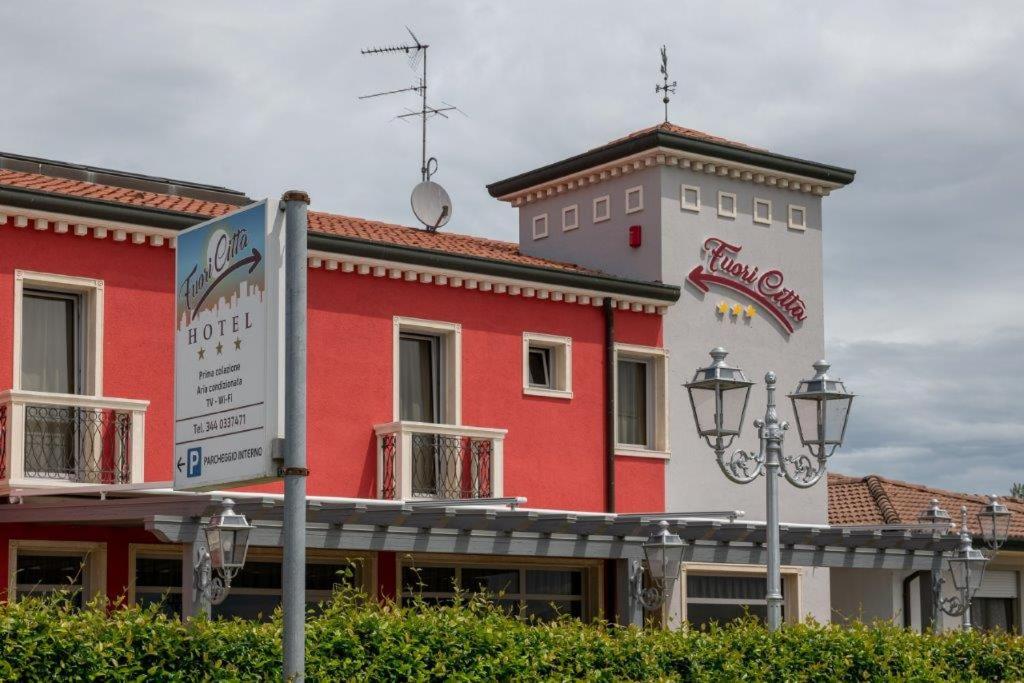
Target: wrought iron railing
84,445
51,439
419,460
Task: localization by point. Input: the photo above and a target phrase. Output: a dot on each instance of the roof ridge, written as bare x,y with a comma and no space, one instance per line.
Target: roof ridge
882,500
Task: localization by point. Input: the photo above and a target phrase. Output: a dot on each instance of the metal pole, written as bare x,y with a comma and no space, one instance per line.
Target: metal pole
294,471
771,432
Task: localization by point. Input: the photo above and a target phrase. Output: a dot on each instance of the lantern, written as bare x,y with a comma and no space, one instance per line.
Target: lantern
822,406
718,396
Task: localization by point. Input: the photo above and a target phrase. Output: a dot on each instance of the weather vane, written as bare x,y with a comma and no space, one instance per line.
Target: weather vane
665,87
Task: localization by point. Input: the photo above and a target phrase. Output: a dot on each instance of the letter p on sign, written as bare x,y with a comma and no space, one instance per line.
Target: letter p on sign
195,462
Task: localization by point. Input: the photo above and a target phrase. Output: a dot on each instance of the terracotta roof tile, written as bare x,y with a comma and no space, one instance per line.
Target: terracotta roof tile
685,132
850,501
347,226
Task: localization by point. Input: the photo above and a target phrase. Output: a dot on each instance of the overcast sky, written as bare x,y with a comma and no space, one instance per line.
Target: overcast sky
924,252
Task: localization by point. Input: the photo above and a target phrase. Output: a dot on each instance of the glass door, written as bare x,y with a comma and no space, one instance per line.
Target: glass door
420,395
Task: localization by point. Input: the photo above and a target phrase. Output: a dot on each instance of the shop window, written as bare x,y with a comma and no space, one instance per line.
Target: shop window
570,217
762,211
727,204
689,198
547,365
540,226
994,614
797,217
77,570
635,199
602,208
721,597
540,592
640,401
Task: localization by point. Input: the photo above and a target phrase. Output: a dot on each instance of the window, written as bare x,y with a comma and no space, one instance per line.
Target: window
255,591
991,614
641,408
718,593
540,226
58,333
428,371
727,204
547,365
536,591
570,217
689,198
602,208
797,217
762,211
77,570
635,199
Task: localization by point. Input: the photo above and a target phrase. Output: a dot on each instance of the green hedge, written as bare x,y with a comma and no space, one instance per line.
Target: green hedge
351,640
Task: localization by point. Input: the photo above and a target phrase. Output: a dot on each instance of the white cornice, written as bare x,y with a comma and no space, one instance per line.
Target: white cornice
140,235
662,156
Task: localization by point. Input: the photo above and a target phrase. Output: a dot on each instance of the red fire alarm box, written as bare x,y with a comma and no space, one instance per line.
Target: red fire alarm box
635,236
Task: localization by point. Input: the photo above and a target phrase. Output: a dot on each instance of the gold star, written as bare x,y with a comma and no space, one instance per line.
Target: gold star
751,311
736,309
220,347
238,343
202,354
722,307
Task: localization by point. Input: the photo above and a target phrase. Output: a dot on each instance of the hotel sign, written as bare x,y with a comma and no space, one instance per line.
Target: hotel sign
226,411
764,287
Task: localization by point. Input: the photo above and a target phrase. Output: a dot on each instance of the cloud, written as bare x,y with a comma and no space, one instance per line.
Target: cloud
922,252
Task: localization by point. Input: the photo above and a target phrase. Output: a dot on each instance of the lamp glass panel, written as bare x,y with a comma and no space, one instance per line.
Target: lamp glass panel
976,572
656,561
214,546
806,411
673,561
734,401
836,412
958,572
228,546
704,409
241,546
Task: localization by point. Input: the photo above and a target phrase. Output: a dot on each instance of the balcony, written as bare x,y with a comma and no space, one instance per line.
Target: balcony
420,460
69,440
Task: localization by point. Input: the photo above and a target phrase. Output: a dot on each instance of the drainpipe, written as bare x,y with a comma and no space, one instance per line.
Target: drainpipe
609,403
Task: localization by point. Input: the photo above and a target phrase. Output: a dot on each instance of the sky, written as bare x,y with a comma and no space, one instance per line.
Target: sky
924,252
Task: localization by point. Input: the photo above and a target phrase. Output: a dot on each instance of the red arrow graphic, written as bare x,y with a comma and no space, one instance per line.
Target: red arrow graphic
700,278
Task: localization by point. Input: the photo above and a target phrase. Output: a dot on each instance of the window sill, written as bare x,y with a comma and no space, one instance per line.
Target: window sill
628,451
548,393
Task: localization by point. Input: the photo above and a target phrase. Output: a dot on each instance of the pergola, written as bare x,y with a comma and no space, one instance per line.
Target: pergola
499,526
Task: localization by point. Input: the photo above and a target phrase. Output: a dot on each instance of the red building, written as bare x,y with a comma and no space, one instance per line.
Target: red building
429,353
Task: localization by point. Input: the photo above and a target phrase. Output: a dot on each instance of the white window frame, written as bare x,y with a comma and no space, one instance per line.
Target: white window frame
683,204
91,291
793,225
540,220
575,210
637,191
561,364
607,200
94,554
722,213
451,350
657,389
766,203
792,580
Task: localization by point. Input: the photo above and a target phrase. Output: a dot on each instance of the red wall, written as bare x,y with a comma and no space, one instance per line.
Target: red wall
554,450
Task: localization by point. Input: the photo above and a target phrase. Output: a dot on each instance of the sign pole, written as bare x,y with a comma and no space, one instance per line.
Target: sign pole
294,470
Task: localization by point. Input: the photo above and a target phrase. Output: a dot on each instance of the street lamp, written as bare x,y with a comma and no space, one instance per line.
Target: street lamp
222,555
664,553
718,396
967,564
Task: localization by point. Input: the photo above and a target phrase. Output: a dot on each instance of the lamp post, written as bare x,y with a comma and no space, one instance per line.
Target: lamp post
719,394
219,559
664,553
967,564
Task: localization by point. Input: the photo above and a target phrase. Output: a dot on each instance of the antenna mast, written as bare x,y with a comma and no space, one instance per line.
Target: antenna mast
417,53
665,87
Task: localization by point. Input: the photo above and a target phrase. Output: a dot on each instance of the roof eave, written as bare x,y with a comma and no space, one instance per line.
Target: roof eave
682,143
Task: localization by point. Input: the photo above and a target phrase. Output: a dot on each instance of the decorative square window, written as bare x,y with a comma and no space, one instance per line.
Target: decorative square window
727,204
540,226
570,217
635,199
547,365
762,211
641,409
689,198
602,208
797,217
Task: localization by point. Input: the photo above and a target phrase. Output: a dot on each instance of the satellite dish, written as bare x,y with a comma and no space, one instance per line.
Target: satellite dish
431,204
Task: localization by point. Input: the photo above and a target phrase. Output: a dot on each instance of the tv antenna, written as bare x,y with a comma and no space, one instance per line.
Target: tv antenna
665,87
